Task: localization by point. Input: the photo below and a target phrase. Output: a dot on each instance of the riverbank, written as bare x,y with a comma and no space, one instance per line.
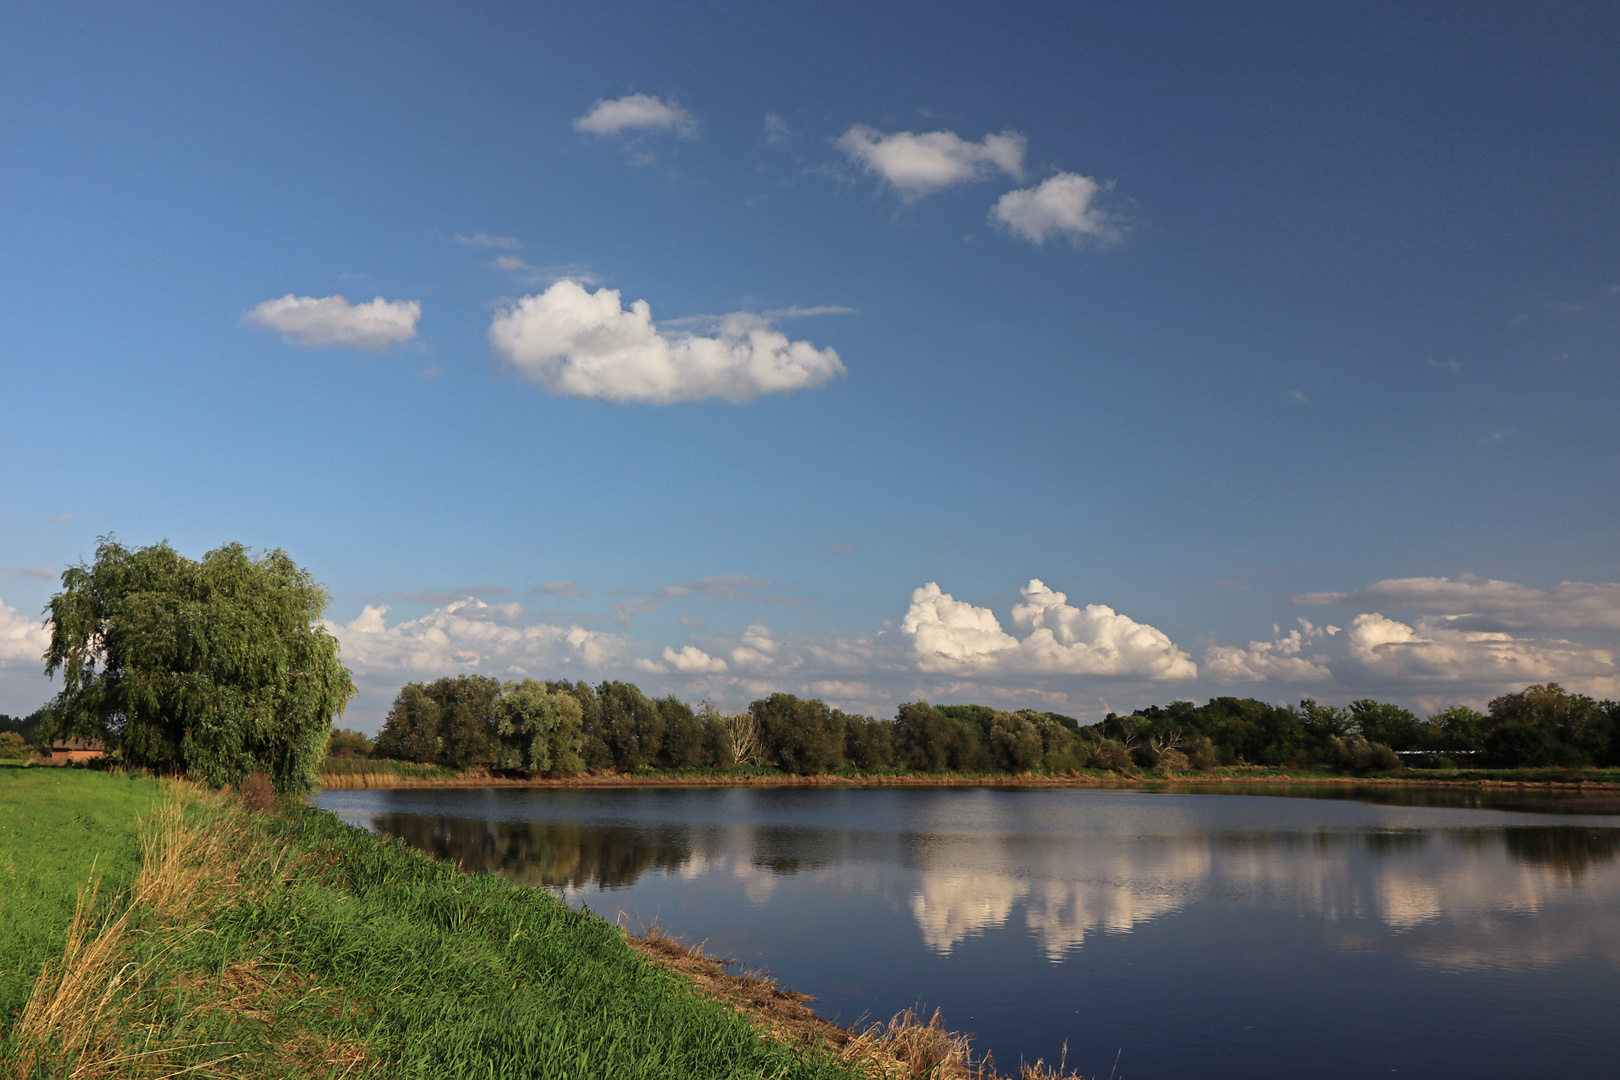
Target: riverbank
185,931
355,777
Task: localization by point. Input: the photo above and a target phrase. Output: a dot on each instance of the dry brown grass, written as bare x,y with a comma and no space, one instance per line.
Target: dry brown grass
258,794
907,1047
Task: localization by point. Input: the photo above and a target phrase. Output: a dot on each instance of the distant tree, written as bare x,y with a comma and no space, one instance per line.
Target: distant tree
538,729
1395,727
868,743
217,668
467,719
411,731
801,736
1321,722
1456,728
743,744
1574,720
929,741
593,747
976,718
1015,742
631,726
26,726
718,751
1519,745
684,742
343,743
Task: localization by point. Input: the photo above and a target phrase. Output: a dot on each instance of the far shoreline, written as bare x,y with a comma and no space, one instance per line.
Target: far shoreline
356,781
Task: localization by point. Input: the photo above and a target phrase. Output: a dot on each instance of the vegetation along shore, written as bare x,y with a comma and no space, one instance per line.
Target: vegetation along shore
155,928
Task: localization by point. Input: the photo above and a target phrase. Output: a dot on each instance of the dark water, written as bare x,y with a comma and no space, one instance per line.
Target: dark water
1429,933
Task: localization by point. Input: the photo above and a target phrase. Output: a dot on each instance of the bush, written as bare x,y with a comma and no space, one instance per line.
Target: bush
1172,761
1109,754
343,743
1201,753
13,748
1355,754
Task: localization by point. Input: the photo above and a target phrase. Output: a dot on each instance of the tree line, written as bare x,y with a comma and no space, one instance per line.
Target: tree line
560,728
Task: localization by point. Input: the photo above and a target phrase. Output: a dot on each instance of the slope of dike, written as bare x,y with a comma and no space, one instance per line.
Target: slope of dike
154,929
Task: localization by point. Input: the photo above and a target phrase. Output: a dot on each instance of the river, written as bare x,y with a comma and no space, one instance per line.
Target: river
1154,933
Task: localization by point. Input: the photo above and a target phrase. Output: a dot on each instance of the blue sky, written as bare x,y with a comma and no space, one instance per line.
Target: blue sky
1216,318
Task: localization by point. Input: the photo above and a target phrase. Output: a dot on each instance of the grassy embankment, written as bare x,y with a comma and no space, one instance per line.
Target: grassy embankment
222,941
349,773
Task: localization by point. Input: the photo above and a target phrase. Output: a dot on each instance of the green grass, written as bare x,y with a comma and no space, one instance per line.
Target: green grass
336,948
55,825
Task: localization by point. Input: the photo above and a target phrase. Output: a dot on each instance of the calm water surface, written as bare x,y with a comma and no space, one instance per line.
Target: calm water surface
1430,933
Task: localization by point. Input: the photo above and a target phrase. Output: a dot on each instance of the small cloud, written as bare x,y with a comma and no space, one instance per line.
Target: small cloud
1495,437
690,660
635,112
438,597
44,573
583,344
1297,396
1233,584
1065,205
1446,365
652,667
796,312
529,274
838,547
332,320
777,132
432,371
64,517
917,165
558,588
485,240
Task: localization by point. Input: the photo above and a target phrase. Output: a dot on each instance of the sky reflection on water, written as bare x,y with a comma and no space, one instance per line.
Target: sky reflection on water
1257,929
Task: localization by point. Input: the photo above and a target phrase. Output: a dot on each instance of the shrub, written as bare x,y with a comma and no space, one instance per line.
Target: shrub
13,748
1201,753
343,743
1355,754
1109,754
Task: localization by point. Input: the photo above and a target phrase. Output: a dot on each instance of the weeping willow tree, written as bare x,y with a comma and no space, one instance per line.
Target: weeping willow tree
216,668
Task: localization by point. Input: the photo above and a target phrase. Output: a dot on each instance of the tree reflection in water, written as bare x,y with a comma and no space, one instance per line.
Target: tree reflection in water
553,854
1570,852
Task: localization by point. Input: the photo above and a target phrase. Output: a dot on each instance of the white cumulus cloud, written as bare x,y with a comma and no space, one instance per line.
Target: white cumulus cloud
918,164
468,634
1060,207
1285,657
23,640
690,660
635,112
953,636
332,320
1478,603
1438,652
583,344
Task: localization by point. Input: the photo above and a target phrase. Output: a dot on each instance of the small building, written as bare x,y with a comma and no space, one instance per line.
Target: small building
62,751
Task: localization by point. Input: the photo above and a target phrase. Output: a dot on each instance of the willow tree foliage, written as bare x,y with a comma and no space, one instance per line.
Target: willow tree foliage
539,731
216,668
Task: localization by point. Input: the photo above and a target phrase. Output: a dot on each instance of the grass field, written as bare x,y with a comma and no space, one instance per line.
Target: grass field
57,826
286,944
